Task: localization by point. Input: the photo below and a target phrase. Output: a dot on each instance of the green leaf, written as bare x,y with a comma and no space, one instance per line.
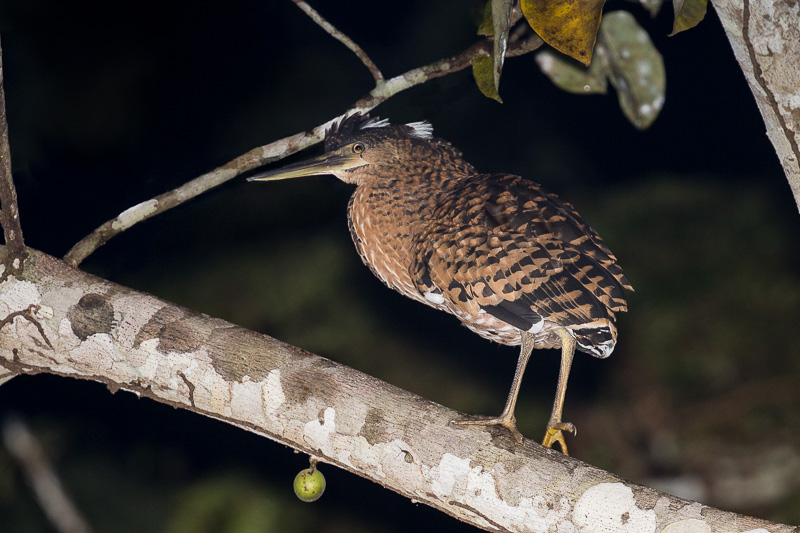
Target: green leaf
688,14
634,66
483,72
501,18
485,27
571,76
495,22
652,6
569,26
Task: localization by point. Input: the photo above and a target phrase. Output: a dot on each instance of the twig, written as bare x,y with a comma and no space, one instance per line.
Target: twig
248,161
522,29
41,476
9,214
523,47
438,69
279,149
342,38
516,14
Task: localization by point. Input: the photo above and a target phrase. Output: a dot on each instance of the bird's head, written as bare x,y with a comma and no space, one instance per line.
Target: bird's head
359,149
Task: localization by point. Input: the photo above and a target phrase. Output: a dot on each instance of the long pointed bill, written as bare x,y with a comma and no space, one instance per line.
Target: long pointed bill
324,164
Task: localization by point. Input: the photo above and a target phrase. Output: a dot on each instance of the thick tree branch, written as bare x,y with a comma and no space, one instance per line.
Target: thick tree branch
765,37
62,321
279,149
9,212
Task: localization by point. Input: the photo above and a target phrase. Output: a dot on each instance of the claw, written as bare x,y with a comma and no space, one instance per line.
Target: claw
554,434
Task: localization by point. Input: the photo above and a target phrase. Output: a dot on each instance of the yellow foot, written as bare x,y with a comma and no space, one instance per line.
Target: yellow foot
508,422
555,434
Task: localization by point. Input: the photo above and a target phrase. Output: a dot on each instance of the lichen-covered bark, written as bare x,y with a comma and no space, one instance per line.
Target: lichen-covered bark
59,320
765,37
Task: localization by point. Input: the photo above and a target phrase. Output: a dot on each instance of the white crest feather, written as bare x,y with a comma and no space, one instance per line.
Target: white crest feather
374,123
423,130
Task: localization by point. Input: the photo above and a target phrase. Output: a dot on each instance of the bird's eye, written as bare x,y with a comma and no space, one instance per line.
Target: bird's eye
359,148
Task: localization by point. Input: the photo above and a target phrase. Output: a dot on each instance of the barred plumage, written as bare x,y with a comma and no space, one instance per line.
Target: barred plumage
514,263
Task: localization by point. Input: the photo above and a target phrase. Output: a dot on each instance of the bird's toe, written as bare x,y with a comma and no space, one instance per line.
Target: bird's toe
508,422
555,434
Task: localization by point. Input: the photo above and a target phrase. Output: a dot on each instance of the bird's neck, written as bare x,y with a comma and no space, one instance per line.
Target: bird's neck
384,217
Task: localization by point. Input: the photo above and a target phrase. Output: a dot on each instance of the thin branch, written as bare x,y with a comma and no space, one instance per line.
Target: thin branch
41,476
163,202
279,149
523,47
522,29
327,410
9,215
342,38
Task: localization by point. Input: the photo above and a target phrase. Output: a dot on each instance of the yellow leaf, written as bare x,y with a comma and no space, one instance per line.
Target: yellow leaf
569,26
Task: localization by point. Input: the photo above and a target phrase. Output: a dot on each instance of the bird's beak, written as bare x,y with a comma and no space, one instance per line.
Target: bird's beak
325,164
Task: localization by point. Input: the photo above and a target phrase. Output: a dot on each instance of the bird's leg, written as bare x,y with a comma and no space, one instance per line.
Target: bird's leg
506,418
556,427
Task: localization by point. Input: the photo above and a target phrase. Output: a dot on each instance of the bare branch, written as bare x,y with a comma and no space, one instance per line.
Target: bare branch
403,442
41,476
523,47
9,215
279,149
149,208
342,38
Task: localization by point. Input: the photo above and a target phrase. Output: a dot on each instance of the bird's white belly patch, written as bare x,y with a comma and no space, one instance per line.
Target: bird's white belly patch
434,298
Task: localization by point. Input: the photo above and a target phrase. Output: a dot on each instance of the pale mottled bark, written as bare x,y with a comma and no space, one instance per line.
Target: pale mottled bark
58,320
765,36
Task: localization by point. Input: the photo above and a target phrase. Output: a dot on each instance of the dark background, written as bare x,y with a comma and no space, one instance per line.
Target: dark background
112,104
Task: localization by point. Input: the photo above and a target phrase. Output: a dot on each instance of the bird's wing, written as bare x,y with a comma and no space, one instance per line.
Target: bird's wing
502,245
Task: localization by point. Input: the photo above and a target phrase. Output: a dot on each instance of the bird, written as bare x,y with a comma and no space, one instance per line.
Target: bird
514,263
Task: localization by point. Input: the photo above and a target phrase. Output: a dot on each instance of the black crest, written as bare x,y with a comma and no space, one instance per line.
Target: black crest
358,124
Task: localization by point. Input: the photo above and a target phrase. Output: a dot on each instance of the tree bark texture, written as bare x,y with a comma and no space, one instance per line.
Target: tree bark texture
60,320
765,36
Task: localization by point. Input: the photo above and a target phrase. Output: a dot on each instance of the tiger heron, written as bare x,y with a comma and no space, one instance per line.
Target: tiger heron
517,265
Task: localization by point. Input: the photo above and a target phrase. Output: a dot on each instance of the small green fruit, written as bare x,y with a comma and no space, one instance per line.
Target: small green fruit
309,484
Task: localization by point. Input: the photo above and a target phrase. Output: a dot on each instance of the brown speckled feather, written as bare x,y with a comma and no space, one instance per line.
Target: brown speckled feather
501,245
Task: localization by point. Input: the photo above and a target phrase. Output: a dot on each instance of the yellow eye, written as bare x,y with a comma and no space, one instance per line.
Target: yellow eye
359,148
